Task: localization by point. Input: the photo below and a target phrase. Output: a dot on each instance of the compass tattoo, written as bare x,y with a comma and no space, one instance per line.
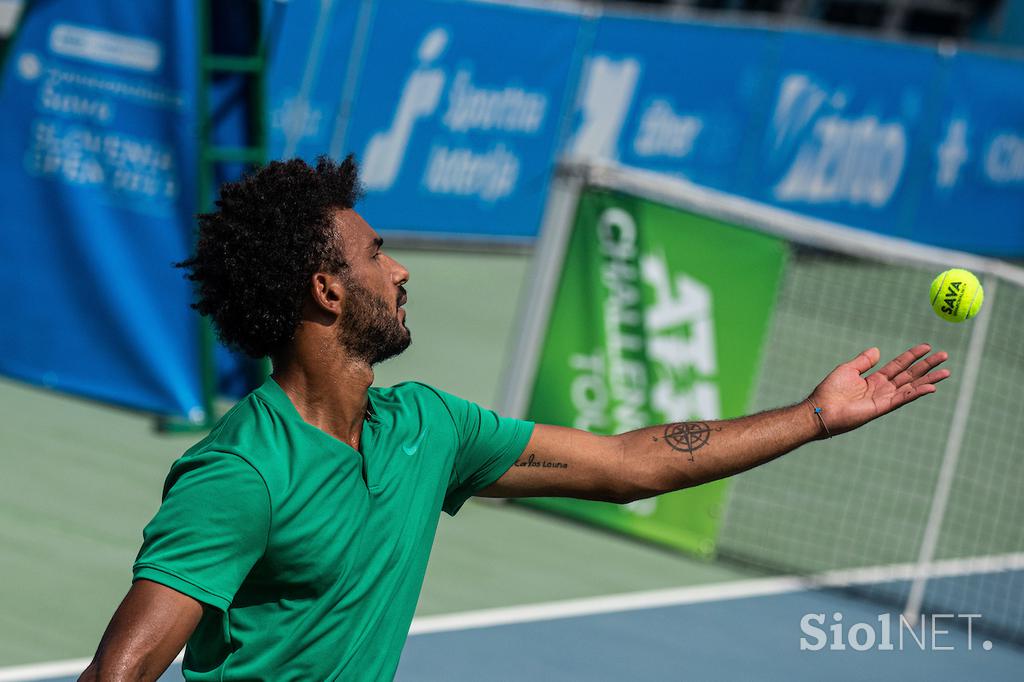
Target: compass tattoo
688,437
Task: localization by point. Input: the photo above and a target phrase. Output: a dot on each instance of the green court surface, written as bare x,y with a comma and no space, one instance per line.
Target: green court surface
81,479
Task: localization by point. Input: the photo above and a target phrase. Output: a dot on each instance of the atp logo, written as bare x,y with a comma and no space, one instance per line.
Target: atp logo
420,98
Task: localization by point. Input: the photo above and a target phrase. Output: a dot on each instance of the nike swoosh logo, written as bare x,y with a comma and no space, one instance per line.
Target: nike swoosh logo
410,450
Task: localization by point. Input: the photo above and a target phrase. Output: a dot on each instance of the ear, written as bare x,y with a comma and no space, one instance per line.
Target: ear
327,292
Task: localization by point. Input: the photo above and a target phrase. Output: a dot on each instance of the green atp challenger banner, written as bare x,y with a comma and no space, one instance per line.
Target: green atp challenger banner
658,318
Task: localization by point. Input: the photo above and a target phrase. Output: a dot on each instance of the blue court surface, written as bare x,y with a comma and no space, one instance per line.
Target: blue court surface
743,630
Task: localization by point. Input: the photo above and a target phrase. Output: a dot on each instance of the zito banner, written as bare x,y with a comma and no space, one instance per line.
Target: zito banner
658,318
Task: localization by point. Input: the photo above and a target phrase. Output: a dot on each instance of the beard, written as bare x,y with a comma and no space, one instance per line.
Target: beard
370,330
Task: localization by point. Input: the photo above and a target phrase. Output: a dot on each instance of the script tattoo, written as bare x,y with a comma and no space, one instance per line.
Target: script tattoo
688,437
532,461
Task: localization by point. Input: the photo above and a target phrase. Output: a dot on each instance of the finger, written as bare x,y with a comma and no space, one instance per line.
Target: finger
865,360
909,394
931,378
904,360
918,369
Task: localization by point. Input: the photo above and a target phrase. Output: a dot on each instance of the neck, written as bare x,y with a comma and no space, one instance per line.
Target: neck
328,389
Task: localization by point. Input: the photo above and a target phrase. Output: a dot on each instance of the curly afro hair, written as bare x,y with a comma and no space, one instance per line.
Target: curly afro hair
255,254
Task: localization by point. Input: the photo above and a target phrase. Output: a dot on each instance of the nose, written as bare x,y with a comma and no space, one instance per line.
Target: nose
401,274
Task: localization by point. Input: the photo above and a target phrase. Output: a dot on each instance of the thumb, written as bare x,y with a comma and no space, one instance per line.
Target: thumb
865,360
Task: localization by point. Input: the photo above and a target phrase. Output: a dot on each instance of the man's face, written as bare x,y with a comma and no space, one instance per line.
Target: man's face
373,320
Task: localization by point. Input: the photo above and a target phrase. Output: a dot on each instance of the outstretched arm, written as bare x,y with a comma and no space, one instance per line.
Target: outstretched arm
568,462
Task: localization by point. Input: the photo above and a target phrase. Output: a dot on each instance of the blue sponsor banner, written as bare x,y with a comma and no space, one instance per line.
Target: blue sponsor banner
458,114
458,131
974,194
861,132
309,45
676,98
845,130
96,178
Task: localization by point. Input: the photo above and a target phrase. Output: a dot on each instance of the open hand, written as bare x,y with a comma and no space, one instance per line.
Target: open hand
848,400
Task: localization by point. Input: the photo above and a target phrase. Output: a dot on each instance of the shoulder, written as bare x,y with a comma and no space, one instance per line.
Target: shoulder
234,445
426,403
417,394
217,476
413,393
407,389
242,424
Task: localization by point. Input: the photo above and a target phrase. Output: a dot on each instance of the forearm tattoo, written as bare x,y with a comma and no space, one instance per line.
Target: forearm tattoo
532,461
687,437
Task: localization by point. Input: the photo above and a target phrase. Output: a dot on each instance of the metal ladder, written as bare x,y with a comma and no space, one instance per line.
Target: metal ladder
210,156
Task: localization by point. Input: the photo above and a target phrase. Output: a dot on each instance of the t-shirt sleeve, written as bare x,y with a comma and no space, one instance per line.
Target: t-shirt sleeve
210,530
487,445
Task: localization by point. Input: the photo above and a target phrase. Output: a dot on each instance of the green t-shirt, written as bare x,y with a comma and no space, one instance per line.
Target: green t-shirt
309,554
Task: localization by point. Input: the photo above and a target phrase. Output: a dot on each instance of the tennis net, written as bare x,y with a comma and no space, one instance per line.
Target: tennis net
928,499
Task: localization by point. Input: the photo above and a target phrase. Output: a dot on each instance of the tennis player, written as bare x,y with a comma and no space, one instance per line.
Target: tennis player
292,541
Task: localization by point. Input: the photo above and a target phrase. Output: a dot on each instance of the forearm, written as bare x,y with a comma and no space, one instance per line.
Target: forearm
102,669
664,458
122,657
572,463
118,665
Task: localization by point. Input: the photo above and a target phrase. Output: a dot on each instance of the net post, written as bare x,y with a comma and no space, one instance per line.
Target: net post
536,302
954,444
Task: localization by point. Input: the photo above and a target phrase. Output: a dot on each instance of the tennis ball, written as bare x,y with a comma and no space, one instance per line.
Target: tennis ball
956,295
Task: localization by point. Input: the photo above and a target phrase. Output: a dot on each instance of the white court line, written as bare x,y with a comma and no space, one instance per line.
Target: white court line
589,606
737,589
943,568
632,601
37,671
42,671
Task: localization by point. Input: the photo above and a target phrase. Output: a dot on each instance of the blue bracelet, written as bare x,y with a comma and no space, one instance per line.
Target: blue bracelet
817,413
